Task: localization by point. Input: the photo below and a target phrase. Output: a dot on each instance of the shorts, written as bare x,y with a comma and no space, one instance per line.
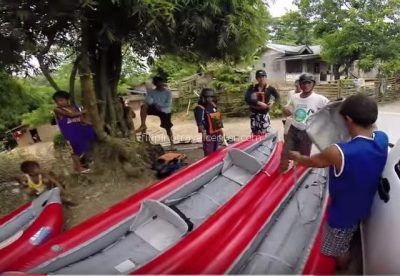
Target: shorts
336,241
297,140
286,125
165,118
211,144
260,123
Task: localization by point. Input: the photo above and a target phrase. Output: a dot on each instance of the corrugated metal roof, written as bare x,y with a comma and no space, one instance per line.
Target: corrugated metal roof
299,57
295,50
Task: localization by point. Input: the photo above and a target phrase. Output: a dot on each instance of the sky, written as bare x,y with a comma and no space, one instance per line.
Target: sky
280,7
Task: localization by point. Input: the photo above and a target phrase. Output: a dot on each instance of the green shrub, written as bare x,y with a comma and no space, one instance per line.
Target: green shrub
59,140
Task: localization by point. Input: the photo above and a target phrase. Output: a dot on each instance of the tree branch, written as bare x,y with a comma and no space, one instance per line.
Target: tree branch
46,73
43,67
72,78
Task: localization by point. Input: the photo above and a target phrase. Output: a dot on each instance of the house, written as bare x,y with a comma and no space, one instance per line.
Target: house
25,135
285,63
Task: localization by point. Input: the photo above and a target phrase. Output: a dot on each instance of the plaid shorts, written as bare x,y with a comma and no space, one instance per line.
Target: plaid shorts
336,241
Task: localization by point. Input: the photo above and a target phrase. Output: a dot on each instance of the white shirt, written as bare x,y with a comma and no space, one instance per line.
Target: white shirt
289,97
302,108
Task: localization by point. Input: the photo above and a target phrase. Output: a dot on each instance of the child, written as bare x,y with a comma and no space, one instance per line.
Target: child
355,168
36,182
300,108
78,133
209,121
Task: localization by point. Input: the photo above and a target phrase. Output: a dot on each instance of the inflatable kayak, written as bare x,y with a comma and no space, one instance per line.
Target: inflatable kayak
29,226
142,227
276,232
379,233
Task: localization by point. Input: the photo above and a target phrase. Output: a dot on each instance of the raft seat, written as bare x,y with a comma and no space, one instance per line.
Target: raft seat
155,228
155,216
240,166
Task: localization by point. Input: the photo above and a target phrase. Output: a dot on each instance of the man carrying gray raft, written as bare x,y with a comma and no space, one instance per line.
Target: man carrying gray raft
355,169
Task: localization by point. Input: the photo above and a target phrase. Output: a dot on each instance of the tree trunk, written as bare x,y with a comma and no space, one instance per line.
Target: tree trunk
46,73
111,112
72,79
115,67
88,93
336,72
103,85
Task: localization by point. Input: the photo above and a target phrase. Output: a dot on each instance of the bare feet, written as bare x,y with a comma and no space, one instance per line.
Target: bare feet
141,129
343,262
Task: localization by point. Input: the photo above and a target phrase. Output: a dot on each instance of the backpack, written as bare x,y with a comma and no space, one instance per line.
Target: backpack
214,120
168,163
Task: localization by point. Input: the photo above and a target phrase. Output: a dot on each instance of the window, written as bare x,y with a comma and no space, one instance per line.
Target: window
294,66
316,68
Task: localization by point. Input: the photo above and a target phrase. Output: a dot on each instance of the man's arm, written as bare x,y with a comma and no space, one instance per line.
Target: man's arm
198,115
275,94
148,99
331,156
288,109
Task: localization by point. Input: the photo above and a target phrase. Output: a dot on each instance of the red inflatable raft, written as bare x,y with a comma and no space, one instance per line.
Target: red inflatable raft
163,216
29,226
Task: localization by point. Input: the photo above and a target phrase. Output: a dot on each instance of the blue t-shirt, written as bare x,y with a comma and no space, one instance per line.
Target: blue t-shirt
163,98
353,188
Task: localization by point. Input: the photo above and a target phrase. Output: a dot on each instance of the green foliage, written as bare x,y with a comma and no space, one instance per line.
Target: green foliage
293,28
356,30
226,78
16,98
276,111
44,114
59,140
134,70
392,67
175,68
200,29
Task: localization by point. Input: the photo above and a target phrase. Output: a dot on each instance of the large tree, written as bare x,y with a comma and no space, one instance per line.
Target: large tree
96,31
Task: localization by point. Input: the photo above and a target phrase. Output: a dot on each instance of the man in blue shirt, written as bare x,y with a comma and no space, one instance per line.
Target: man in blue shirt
158,102
355,169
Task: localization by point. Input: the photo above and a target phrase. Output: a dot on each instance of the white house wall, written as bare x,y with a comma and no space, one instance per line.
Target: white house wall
275,69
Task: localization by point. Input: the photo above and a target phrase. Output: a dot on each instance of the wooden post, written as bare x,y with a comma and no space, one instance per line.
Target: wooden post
188,106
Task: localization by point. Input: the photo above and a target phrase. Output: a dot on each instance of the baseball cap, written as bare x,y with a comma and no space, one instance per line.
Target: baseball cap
261,73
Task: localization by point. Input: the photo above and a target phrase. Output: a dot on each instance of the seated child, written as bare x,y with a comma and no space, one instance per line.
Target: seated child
36,182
